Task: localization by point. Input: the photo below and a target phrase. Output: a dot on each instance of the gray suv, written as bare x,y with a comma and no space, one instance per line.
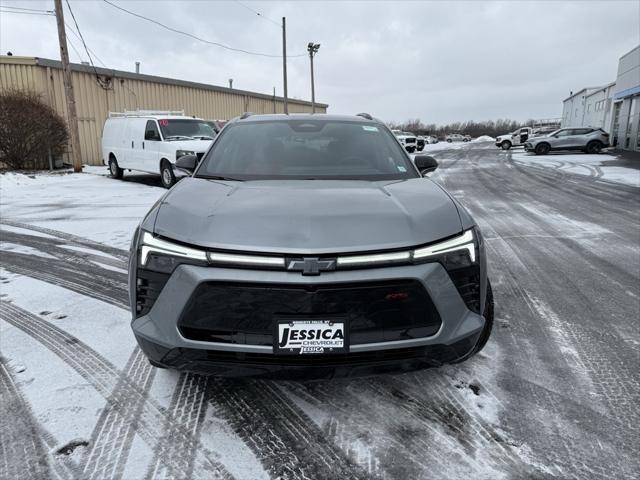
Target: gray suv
309,244
589,140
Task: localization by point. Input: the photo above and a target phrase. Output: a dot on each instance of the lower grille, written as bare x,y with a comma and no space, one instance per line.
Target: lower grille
246,313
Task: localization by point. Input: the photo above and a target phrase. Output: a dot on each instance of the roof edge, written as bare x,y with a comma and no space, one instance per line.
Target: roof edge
46,62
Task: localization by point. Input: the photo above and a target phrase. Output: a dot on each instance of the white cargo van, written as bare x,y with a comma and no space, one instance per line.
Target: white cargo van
149,141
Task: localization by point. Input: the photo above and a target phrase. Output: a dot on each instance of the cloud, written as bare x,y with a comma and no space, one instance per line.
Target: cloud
438,61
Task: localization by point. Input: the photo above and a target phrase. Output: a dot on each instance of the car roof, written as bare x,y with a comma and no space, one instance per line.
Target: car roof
305,116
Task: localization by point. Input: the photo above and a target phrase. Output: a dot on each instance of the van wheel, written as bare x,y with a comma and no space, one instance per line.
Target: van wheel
114,169
594,147
166,174
542,148
506,145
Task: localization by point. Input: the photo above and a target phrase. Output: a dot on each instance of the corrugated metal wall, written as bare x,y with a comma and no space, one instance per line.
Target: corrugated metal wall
94,102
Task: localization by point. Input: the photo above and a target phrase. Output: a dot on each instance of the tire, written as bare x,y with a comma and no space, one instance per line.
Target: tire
488,317
449,140
114,169
594,147
411,149
167,177
156,364
542,148
505,145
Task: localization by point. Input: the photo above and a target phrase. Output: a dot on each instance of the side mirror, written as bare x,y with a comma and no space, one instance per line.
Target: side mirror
425,163
187,162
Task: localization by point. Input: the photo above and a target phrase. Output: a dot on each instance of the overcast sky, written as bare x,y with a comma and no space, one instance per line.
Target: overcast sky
437,61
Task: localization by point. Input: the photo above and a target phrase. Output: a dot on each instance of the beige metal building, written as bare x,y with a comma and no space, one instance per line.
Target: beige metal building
100,91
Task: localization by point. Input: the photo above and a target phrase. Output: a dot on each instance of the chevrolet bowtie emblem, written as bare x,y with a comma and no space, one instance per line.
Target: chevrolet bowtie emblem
311,265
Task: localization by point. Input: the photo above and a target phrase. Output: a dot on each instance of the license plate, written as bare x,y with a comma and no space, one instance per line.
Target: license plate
310,337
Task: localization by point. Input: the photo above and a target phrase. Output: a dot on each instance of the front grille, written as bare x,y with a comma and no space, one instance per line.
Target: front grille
148,287
246,313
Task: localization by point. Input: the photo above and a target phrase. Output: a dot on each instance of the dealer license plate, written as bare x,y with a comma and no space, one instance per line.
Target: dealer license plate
302,337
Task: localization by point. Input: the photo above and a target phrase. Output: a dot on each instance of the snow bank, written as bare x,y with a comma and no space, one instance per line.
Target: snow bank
484,138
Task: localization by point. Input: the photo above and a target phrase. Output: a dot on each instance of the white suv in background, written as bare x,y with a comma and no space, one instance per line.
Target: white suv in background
407,140
151,142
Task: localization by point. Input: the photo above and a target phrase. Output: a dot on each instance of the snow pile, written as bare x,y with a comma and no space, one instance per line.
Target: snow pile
484,138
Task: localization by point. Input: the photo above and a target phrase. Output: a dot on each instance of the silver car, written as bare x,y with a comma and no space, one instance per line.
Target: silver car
309,244
589,140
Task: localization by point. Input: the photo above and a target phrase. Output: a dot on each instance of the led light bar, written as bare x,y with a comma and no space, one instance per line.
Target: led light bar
151,244
251,260
373,259
462,242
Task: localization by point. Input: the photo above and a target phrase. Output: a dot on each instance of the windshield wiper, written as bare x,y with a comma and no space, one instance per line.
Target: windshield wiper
217,177
177,137
202,137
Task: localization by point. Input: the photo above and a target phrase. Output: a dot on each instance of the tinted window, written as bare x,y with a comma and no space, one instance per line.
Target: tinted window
581,131
306,149
563,133
186,129
151,131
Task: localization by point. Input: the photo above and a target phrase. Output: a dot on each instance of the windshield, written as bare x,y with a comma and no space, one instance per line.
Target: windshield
306,149
186,129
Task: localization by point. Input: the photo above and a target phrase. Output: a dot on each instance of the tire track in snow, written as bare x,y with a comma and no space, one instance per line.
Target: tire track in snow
189,405
113,434
282,436
22,452
70,238
105,378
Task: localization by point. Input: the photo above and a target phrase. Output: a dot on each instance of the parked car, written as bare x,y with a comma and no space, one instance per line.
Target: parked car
466,138
589,140
420,143
432,139
292,259
407,140
455,137
151,142
515,138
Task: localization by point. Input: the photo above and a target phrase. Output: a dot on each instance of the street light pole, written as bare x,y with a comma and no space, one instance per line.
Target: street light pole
313,48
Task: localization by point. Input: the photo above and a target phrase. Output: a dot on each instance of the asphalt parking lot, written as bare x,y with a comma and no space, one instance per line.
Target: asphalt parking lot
555,394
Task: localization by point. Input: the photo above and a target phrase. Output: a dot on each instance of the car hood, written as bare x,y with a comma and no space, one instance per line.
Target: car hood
306,216
193,145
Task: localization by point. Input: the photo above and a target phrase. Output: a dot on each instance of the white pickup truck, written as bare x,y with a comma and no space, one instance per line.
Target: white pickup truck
408,140
514,139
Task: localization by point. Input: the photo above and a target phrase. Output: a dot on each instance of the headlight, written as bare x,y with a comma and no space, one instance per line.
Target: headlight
163,256
456,252
182,153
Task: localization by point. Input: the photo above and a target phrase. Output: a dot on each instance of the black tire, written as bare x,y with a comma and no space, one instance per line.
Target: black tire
420,149
449,140
505,145
156,364
542,148
411,149
594,147
167,177
488,317
114,169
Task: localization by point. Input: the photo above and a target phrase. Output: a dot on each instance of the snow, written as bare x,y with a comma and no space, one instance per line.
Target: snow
484,138
594,166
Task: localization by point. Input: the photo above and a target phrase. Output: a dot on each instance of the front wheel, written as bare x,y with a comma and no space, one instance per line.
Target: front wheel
542,149
594,147
506,145
449,140
114,169
166,174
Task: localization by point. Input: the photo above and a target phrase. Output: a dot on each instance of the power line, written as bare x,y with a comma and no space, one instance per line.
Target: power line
194,36
70,28
86,49
28,9
258,13
27,13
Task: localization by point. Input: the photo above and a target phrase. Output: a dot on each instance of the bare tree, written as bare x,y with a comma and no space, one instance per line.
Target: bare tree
30,130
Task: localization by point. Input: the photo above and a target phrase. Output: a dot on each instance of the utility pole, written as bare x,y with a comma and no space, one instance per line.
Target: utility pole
284,63
68,90
313,48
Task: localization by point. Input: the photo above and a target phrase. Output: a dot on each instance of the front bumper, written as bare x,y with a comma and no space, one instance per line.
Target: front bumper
159,334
